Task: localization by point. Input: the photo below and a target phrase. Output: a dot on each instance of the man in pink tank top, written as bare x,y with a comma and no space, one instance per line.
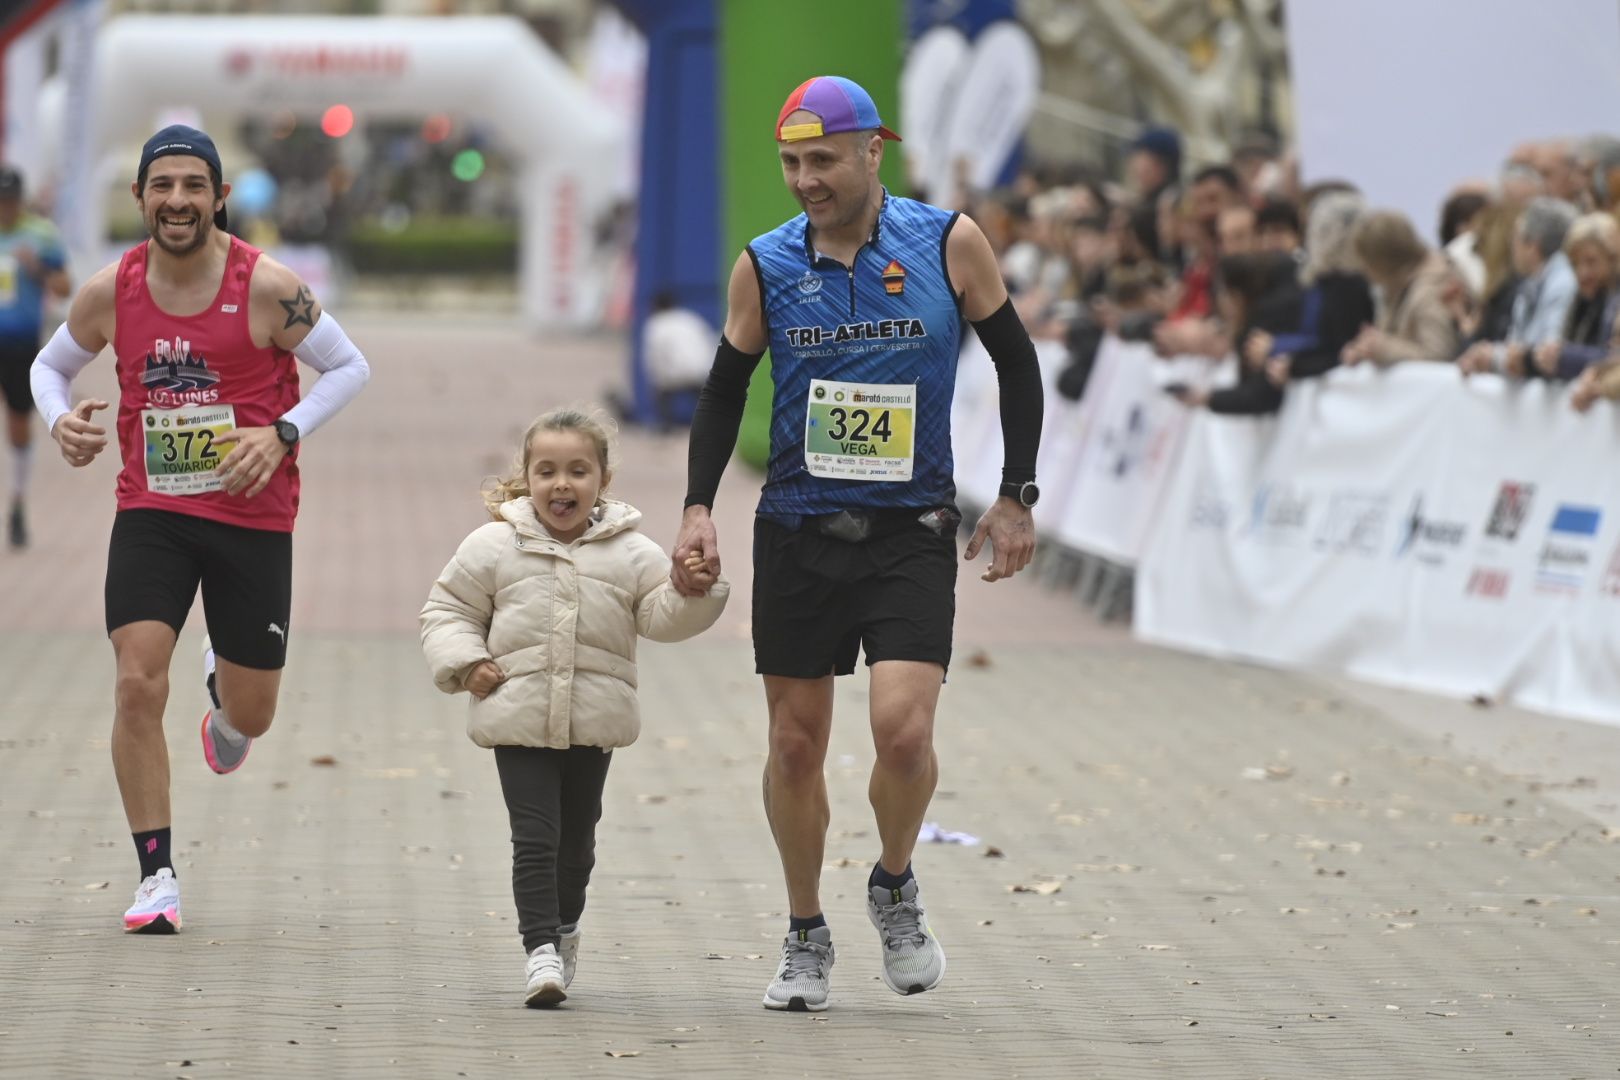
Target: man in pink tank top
205,331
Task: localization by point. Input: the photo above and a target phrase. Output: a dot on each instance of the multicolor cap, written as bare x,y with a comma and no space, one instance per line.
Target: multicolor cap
840,103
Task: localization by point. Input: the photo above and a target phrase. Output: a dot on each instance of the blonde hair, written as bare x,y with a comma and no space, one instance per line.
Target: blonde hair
590,421
1329,234
1596,228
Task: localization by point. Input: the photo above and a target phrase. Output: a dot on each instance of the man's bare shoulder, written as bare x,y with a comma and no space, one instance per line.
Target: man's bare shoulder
97,298
100,289
282,303
273,279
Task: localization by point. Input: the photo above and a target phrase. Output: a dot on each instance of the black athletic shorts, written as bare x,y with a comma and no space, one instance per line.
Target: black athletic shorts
16,357
818,600
157,559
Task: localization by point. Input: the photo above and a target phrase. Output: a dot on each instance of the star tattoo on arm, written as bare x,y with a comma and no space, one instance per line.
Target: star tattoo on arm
300,309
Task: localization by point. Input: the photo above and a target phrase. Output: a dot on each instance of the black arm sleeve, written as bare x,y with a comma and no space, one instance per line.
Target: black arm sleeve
1253,395
716,421
1018,374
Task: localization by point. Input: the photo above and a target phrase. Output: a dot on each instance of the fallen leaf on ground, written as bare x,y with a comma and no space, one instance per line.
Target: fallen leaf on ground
324,759
994,853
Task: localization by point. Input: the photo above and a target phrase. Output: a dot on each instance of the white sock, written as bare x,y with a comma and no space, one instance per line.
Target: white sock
21,459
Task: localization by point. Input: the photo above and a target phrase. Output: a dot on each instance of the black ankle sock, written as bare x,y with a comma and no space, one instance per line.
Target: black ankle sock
885,880
153,848
797,925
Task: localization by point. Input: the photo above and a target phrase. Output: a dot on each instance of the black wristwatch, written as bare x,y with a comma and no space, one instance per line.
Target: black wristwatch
287,432
1025,494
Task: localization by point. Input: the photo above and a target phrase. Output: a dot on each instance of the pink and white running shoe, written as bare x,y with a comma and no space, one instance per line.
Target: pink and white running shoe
157,906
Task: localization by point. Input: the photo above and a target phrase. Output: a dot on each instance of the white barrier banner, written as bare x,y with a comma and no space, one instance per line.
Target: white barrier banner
976,444
1403,526
1110,483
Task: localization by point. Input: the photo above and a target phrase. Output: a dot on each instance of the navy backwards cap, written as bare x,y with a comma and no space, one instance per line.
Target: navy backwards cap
180,140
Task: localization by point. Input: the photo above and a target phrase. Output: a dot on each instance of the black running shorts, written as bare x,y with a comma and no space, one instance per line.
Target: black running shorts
16,358
157,559
818,601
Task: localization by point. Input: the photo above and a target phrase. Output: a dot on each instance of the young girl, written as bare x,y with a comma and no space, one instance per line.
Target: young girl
536,617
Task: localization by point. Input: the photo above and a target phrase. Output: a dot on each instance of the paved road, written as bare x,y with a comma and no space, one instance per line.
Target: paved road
1185,868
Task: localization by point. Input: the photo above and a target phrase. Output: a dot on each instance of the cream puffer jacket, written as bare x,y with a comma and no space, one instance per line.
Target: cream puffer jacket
561,620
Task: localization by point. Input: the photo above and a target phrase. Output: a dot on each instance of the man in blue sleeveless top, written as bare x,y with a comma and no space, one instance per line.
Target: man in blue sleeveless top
861,301
32,270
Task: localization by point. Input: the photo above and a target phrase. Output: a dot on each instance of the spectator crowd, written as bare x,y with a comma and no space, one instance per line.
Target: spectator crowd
1518,276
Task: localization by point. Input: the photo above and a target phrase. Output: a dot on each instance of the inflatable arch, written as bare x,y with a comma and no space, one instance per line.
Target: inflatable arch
493,69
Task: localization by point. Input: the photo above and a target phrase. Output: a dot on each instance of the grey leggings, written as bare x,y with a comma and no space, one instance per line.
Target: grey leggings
554,798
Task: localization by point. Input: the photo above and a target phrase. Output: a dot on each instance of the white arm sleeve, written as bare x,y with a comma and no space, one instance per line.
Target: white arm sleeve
51,377
343,371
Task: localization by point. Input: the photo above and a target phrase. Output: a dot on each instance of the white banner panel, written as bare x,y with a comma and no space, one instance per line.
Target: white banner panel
1404,526
1112,480
976,445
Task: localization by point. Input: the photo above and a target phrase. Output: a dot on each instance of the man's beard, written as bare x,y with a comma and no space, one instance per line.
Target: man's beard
199,235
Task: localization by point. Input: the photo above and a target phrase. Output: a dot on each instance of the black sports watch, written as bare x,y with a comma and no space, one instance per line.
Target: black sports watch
287,432
1025,494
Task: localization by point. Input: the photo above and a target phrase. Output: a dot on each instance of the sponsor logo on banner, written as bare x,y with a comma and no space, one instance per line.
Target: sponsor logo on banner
1489,583
1125,445
1210,508
1568,550
1428,538
1278,514
1511,508
1354,522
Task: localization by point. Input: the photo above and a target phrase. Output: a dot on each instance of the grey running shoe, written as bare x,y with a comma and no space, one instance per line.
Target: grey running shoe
223,754
544,975
912,958
801,978
568,949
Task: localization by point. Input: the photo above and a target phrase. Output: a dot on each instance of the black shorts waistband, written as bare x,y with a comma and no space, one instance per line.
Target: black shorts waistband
860,524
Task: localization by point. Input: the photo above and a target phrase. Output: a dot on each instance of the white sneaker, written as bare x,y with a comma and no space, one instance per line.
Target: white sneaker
568,949
912,958
157,906
545,979
804,972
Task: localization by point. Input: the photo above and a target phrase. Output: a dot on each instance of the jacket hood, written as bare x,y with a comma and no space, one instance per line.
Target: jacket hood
610,518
